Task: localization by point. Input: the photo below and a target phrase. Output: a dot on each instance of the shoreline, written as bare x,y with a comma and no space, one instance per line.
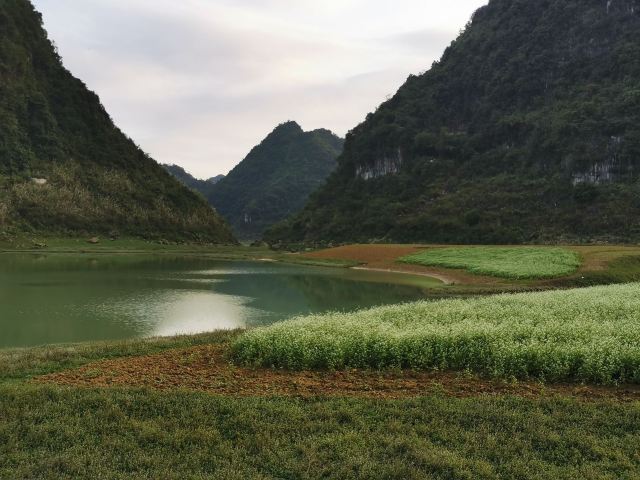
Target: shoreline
443,278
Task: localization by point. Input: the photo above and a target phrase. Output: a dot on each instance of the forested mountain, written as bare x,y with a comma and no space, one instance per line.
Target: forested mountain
276,178
214,180
201,186
527,130
64,167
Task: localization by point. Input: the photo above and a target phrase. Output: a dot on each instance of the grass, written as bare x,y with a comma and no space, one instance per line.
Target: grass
23,363
127,245
625,269
590,335
502,262
55,432
58,244
59,433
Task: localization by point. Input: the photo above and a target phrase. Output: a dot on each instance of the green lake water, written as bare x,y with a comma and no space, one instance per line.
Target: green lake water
54,298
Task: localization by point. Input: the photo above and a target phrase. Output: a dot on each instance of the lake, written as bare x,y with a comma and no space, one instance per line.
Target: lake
57,298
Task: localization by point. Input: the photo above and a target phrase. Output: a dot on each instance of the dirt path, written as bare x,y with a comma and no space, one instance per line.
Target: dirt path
443,278
384,258
208,369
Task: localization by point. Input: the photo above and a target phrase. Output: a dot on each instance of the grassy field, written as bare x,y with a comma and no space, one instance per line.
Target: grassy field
590,334
599,265
49,431
503,262
57,433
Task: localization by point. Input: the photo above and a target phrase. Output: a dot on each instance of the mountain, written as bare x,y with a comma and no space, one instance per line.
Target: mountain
276,178
201,186
527,130
65,168
214,180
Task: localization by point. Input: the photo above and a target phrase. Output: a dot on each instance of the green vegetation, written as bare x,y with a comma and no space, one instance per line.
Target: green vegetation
516,263
625,269
58,433
48,244
526,131
590,335
52,432
125,245
24,363
92,179
203,187
275,179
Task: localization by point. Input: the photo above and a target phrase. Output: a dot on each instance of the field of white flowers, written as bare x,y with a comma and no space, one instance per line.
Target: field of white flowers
590,335
504,262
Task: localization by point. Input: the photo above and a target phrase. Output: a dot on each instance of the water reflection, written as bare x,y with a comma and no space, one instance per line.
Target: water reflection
163,313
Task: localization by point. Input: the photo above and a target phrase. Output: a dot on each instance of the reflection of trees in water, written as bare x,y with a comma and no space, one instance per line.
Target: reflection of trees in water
121,271
280,291
336,293
104,262
291,294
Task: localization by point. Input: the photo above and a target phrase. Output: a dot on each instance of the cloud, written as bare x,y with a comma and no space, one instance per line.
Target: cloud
200,82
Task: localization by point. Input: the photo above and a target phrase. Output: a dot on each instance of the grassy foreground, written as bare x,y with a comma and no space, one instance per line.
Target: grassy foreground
503,262
54,432
57,433
590,335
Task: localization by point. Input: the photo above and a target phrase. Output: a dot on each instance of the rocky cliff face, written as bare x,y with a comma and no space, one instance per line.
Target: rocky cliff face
527,129
382,165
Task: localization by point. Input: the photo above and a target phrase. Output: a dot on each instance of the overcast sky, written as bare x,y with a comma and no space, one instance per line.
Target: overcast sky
200,82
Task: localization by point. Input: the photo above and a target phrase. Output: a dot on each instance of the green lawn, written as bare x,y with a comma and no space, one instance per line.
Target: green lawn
590,334
503,262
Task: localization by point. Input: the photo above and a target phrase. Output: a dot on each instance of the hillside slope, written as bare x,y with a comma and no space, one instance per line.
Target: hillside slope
276,178
527,130
202,186
64,167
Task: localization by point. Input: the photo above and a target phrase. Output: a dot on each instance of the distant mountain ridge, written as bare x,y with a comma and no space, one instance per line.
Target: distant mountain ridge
214,180
201,186
65,168
527,130
275,180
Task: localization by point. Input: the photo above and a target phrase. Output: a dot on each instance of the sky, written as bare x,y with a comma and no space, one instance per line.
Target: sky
198,83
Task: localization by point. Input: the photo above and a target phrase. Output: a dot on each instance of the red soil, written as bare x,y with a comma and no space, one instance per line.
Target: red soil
207,369
385,257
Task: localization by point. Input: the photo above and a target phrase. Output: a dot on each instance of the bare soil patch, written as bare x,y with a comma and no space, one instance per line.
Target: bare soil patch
208,369
385,258
597,258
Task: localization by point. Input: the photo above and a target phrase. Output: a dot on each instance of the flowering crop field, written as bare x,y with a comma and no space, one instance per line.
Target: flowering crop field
505,262
590,335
